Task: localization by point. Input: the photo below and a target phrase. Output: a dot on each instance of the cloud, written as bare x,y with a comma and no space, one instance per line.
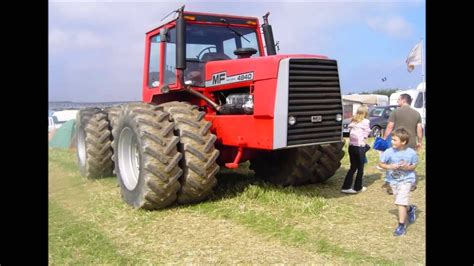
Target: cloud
88,39
57,39
395,27
62,40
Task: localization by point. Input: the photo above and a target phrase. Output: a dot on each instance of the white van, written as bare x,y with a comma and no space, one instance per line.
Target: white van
418,102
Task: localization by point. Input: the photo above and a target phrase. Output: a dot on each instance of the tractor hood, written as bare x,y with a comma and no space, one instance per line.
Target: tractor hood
223,72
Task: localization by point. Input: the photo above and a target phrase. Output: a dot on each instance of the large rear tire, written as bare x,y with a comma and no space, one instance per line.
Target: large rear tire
146,156
299,166
112,114
93,142
197,146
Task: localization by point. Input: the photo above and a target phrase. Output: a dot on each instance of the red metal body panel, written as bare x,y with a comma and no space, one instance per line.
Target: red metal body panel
243,130
265,67
264,97
145,70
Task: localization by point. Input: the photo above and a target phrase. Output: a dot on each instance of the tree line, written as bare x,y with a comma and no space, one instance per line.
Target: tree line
387,92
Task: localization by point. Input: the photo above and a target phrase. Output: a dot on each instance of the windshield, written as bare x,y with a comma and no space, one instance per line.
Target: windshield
376,112
202,39
205,43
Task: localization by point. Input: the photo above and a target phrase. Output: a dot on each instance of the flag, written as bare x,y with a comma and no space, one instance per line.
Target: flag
414,57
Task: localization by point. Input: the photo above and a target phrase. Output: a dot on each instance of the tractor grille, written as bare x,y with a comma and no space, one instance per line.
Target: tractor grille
314,93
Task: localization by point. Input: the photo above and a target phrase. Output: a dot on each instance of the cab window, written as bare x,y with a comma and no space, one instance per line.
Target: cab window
154,62
169,74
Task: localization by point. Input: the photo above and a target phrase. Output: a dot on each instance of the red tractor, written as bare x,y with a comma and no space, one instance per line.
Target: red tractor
212,97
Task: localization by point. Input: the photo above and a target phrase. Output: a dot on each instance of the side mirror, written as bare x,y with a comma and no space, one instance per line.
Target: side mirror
164,35
245,52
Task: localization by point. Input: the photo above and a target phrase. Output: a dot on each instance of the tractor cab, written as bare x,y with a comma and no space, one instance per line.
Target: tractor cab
207,38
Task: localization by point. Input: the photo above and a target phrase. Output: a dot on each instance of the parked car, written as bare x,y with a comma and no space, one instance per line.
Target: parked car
378,117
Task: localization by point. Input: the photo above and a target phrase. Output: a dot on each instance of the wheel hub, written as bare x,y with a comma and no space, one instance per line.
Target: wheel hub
128,158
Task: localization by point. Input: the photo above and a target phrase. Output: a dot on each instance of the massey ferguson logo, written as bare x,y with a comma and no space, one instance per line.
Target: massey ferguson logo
316,118
218,78
222,78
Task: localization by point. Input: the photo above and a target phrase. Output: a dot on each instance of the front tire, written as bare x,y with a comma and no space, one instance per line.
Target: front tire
329,161
299,166
197,146
146,157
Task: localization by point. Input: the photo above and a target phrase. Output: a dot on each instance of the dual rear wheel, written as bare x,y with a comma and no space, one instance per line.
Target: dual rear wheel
162,154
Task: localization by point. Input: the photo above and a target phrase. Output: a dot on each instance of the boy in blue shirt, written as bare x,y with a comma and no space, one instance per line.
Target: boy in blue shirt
400,162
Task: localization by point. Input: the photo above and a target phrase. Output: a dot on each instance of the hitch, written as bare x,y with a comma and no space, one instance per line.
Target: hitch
236,161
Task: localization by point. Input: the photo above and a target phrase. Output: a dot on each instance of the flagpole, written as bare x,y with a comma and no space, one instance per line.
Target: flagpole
423,80
422,65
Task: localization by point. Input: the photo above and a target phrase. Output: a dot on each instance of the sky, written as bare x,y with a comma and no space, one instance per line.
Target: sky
96,48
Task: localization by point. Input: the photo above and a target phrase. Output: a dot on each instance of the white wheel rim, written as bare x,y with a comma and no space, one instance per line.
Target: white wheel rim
128,158
81,147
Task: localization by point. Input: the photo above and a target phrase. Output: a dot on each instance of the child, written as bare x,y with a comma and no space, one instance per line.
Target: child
359,131
400,163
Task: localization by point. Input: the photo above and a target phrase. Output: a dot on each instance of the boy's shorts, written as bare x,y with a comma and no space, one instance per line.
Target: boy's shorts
401,192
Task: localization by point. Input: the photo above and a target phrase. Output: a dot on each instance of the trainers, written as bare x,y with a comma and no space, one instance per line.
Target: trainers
362,189
400,230
412,214
349,191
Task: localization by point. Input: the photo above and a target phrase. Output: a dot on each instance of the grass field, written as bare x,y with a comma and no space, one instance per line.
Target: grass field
244,221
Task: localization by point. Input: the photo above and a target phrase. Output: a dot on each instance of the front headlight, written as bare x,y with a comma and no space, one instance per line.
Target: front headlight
338,117
291,120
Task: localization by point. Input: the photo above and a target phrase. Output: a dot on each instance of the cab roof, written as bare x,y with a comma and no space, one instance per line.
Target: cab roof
211,18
